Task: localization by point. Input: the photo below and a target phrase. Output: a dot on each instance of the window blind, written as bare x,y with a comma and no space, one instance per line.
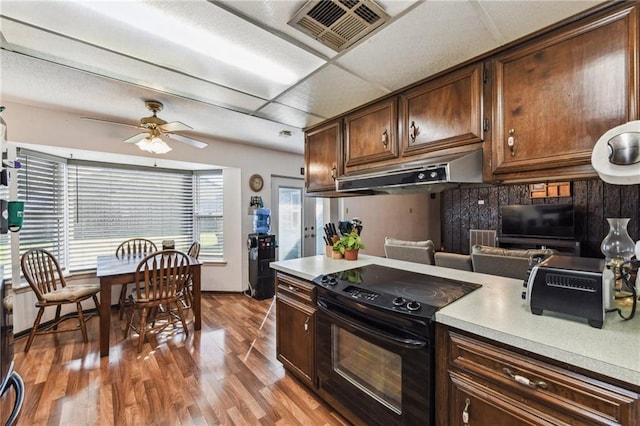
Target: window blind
40,183
208,213
112,203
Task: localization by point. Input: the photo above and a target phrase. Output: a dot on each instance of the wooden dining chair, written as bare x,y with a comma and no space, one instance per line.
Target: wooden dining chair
194,251
160,280
132,247
43,273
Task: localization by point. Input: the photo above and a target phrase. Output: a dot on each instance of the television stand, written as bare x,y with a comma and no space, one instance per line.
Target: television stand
567,247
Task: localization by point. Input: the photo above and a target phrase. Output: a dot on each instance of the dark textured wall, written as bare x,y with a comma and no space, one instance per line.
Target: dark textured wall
593,200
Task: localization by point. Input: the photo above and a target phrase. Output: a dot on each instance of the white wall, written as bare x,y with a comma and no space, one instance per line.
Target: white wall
33,127
413,217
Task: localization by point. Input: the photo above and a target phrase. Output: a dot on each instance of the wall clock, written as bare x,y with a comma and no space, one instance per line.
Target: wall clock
256,182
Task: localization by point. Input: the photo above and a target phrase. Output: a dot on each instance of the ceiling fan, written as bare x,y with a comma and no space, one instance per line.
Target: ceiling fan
155,131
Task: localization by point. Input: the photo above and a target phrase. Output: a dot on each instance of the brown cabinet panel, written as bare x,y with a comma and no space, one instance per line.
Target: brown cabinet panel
296,327
507,387
442,113
322,148
371,135
482,406
555,97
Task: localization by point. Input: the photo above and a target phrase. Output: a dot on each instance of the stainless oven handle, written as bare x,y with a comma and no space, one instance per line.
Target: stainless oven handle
404,342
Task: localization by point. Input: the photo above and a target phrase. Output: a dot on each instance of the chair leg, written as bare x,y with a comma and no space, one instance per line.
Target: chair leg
122,300
34,330
95,300
181,314
83,325
143,328
57,318
129,322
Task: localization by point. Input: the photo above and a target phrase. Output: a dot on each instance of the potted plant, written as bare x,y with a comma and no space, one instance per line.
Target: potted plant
349,245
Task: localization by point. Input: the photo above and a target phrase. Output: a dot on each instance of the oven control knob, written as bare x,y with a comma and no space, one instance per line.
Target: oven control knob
398,301
324,278
333,281
413,305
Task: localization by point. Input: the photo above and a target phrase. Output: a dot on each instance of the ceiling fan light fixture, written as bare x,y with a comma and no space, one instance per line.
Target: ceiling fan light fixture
154,145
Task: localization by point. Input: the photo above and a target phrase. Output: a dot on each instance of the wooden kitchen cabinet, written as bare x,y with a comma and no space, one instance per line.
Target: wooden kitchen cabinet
295,327
370,138
442,113
484,383
322,155
554,96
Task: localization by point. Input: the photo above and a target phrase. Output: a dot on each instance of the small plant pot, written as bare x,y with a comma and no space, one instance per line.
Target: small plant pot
336,254
351,254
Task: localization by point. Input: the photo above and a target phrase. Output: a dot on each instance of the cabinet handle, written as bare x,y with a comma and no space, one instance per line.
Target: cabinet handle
511,142
465,412
306,325
412,131
292,288
385,139
334,171
524,381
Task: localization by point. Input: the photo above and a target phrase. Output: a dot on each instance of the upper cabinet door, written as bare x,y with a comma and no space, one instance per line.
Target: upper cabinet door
322,147
555,97
442,113
371,135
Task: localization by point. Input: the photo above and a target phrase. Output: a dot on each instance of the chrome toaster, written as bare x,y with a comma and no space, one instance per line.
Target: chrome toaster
569,285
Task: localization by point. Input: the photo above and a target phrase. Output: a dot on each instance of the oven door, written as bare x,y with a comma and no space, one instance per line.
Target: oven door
373,368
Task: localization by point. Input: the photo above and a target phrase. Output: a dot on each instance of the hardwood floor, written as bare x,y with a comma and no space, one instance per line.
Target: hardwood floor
226,373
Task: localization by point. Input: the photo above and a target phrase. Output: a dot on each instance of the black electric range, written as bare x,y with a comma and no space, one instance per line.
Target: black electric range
377,319
396,290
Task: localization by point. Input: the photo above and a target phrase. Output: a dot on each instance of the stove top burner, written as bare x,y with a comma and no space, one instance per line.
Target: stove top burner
396,289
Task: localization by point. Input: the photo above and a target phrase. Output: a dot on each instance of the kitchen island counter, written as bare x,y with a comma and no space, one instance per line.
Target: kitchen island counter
496,311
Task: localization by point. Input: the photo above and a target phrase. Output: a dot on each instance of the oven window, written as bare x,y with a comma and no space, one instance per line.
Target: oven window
372,369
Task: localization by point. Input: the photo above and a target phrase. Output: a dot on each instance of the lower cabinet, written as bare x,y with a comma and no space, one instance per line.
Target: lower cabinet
296,327
482,383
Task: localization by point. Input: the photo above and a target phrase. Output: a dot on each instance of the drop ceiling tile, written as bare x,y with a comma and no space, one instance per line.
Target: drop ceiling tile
75,21
284,114
331,91
78,55
513,19
433,37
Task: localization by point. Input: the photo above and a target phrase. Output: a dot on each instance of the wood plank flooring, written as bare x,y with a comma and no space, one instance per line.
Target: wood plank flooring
225,374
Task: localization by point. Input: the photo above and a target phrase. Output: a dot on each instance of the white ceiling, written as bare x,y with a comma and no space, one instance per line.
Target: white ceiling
64,55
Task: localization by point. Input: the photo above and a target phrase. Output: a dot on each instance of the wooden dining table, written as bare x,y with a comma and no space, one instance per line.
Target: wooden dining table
113,270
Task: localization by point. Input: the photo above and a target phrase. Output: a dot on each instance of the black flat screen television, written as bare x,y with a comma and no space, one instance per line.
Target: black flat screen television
538,221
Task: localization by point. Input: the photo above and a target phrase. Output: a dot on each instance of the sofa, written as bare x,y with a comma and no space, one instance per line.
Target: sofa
511,263
411,251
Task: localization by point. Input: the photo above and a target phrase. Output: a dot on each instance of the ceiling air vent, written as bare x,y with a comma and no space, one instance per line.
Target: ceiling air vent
338,23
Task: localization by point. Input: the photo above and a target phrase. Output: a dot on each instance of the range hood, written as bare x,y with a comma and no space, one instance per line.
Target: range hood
432,175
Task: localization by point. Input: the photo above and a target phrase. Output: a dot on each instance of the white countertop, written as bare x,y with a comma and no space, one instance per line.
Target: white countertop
497,311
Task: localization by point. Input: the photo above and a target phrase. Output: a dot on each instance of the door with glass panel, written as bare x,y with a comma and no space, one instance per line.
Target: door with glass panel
295,219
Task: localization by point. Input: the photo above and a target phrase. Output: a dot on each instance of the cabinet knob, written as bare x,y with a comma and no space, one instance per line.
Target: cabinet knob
465,412
306,325
412,131
385,139
334,171
511,142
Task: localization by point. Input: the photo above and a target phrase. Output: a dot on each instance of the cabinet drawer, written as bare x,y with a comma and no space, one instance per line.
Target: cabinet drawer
296,289
573,397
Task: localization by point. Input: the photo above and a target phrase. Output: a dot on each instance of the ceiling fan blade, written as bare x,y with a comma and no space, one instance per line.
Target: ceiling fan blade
110,122
187,140
174,126
136,138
